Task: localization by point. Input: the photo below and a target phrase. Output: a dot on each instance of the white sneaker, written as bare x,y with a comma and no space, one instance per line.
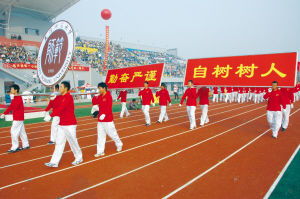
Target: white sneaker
119,148
99,154
49,164
77,162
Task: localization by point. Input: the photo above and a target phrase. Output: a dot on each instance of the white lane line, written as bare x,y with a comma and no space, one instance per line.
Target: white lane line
159,160
270,191
95,122
140,146
216,165
133,135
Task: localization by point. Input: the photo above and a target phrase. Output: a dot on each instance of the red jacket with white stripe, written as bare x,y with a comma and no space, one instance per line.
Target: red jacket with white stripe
66,111
123,96
164,97
17,108
104,101
191,95
54,104
203,94
147,96
275,100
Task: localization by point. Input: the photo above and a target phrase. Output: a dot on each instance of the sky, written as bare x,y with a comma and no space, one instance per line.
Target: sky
197,28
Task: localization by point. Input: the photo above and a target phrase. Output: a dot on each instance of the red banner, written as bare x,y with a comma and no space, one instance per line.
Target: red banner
34,66
249,70
134,77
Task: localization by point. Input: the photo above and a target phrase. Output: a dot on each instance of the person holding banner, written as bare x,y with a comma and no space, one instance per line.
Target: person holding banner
288,99
147,98
164,101
66,129
54,103
204,93
215,95
105,124
191,103
274,107
123,97
17,129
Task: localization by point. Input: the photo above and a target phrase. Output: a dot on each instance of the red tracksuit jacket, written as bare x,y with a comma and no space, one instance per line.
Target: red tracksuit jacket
288,95
65,111
54,104
123,96
147,96
17,107
191,95
215,90
164,97
275,100
105,106
203,94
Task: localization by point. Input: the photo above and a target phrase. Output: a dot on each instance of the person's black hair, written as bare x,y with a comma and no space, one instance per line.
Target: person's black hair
102,85
133,100
7,91
164,85
191,81
146,82
16,87
274,82
66,85
56,86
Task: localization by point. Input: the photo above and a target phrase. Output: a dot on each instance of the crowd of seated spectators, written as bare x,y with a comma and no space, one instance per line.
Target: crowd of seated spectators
16,54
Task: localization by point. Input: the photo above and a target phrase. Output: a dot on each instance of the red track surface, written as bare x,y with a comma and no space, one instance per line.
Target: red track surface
158,159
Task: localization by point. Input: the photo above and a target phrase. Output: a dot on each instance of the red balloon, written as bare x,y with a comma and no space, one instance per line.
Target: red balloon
106,14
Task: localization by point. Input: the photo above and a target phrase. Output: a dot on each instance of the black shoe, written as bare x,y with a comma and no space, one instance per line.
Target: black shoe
147,124
28,147
283,129
13,151
158,122
51,142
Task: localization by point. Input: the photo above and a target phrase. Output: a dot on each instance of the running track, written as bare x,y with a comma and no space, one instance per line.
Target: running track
233,156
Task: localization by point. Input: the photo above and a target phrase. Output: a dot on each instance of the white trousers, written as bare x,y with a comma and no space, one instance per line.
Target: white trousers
191,114
103,129
54,128
66,133
124,110
226,97
18,130
274,119
163,114
239,98
145,109
215,98
204,116
286,116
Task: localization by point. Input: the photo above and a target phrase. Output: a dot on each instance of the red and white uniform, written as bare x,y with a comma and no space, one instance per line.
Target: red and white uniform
66,129
223,93
147,99
191,102
288,99
164,100
123,97
17,129
203,94
274,114
54,104
215,94
106,125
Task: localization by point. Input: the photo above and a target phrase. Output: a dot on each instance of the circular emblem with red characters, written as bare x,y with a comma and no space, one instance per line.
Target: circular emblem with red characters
56,53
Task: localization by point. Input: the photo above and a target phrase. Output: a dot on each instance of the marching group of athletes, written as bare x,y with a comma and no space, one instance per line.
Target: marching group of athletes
63,126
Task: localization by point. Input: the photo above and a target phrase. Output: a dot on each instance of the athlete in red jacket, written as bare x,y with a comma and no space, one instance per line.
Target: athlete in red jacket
204,94
164,101
17,129
288,99
147,98
123,97
66,129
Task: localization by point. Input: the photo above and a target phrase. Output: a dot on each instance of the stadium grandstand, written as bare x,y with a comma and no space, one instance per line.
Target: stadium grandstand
22,26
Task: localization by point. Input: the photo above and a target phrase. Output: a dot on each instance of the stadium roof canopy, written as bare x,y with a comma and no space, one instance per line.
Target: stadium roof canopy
48,8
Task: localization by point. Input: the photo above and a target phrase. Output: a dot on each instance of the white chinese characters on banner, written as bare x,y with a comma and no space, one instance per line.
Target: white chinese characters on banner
54,50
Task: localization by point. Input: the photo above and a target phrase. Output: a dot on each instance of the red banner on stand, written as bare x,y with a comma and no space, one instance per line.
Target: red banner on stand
249,70
134,77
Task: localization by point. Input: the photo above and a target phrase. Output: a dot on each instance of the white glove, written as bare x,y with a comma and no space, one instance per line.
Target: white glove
270,90
46,113
153,104
94,108
102,117
170,104
52,97
292,106
2,116
179,105
47,118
